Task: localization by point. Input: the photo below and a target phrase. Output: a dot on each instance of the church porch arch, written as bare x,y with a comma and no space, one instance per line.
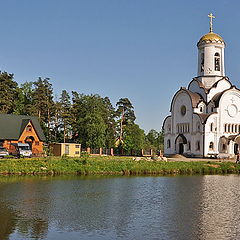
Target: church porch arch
180,144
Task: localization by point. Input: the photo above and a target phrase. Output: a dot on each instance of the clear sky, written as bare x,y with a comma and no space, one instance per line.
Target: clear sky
141,49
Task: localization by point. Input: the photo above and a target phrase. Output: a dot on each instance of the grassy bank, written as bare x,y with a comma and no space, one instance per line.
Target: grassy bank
111,166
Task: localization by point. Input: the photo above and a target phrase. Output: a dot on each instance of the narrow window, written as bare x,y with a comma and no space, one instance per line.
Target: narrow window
198,145
236,128
229,128
202,62
225,127
201,109
189,145
232,128
168,143
211,127
217,62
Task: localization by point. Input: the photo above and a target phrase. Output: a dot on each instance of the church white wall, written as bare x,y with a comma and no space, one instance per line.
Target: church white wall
168,136
229,109
196,136
211,135
182,99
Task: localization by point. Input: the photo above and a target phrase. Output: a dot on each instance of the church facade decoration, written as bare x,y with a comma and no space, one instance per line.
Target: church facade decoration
205,116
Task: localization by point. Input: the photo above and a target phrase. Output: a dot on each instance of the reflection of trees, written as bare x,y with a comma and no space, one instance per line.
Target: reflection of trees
30,217
36,228
7,221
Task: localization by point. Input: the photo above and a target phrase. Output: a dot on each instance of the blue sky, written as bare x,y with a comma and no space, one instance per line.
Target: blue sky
141,49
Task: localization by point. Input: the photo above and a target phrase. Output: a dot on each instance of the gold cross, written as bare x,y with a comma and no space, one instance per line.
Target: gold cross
211,22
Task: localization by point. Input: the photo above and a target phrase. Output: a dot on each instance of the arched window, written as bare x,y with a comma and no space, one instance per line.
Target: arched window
217,61
29,128
202,62
211,146
198,145
168,143
225,127
201,109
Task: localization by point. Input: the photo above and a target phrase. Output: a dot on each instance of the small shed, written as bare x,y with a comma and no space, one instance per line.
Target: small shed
68,149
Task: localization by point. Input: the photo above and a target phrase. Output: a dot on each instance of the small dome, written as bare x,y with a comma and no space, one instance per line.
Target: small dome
211,37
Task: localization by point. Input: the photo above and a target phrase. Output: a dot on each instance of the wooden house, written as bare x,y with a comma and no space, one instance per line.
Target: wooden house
21,129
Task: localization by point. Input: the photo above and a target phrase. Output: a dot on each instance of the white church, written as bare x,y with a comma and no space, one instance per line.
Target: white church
205,116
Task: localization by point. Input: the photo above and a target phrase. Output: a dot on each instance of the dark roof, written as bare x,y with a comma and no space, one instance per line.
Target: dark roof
195,97
12,126
207,90
204,116
200,84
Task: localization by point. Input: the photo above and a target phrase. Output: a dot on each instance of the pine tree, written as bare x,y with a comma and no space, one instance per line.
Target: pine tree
65,113
8,92
125,114
43,105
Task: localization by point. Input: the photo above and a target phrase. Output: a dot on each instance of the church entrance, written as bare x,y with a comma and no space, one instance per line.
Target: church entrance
181,148
179,143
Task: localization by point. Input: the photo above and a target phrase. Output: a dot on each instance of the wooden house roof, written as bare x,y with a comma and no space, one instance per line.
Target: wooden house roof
12,126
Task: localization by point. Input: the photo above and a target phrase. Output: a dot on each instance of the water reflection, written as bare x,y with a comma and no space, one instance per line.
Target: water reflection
219,208
7,221
198,207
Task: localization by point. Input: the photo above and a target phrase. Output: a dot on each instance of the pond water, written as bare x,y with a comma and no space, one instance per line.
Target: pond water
65,208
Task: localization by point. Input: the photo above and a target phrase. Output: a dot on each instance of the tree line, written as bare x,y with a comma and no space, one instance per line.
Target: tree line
91,120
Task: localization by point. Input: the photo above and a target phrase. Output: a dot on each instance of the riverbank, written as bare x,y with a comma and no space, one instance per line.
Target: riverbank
113,166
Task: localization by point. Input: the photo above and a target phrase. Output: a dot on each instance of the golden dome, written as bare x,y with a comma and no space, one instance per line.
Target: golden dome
211,37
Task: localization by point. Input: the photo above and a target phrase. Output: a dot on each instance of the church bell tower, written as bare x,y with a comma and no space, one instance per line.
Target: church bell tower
210,57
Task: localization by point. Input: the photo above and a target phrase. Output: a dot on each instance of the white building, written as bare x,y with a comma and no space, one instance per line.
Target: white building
205,116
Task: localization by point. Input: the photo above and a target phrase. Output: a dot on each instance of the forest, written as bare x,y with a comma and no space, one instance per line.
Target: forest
91,120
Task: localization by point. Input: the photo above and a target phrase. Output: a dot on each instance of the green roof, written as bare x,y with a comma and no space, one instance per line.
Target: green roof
12,126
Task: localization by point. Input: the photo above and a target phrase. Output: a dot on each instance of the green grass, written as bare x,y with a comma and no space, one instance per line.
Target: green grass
111,166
